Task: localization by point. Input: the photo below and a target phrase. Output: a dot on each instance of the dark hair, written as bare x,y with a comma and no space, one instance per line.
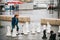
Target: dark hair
51,32
16,15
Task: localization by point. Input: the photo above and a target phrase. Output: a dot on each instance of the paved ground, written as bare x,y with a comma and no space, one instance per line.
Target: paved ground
36,36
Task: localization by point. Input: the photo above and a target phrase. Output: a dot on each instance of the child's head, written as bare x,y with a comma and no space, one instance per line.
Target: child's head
51,32
16,15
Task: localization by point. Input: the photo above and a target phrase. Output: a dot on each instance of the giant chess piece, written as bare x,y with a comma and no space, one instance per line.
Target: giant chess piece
27,27
44,27
22,31
48,27
44,35
52,35
59,30
38,27
33,28
8,31
14,32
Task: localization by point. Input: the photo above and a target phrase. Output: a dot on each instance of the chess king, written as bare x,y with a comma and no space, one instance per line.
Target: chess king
14,23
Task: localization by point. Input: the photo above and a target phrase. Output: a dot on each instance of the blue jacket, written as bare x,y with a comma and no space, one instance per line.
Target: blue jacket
14,21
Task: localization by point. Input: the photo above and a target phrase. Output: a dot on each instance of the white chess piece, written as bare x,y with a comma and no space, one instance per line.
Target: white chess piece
14,32
33,28
38,27
59,29
44,27
20,29
48,27
27,27
8,31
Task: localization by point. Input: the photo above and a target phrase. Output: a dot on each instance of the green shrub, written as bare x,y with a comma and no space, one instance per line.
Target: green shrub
1,26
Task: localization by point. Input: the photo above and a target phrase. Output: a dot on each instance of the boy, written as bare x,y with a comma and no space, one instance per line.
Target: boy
14,22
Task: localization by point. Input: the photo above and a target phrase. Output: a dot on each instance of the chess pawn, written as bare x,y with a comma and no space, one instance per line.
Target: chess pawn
59,30
27,27
44,35
22,30
14,32
38,27
8,31
33,28
48,27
